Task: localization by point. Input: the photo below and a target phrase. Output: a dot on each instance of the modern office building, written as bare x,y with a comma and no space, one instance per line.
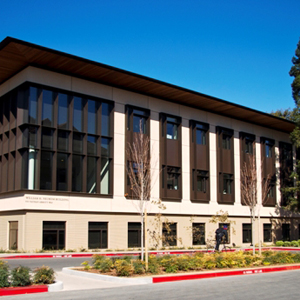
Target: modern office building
65,122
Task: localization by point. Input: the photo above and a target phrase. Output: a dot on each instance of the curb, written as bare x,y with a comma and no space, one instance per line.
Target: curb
134,253
181,277
10,291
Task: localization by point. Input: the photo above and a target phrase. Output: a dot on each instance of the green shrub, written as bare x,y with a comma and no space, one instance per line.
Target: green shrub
104,265
4,274
209,261
20,276
294,244
97,258
184,262
44,275
123,268
86,265
279,243
286,244
169,263
139,267
153,265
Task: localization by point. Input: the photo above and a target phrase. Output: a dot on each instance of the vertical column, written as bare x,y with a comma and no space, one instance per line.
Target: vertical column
185,163
213,164
237,169
119,150
154,154
258,169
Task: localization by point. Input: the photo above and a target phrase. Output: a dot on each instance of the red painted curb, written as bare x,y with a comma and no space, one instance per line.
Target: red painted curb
222,274
9,291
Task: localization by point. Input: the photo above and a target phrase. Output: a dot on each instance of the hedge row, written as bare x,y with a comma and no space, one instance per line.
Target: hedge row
288,244
21,276
198,261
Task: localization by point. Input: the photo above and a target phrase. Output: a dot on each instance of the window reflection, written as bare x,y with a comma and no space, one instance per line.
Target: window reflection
47,108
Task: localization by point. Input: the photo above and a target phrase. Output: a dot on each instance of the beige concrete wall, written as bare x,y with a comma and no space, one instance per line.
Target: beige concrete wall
31,228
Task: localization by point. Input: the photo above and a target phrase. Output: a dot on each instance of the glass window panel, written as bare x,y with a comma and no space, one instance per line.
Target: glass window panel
33,105
202,177
226,141
78,114
172,131
91,175
94,239
47,138
198,231
268,150
139,124
247,233
200,137
62,172
63,140
249,146
47,108
105,119
227,183
77,142
77,174
169,233
171,119
267,233
105,149
32,137
134,235
172,178
63,113
91,145
46,171
105,176
92,116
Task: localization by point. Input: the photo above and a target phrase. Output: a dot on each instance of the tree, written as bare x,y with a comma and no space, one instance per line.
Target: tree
292,193
249,180
139,174
288,114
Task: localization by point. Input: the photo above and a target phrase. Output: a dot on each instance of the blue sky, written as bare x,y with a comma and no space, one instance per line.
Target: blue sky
239,51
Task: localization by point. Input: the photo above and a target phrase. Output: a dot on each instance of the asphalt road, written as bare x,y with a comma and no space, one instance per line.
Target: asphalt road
56,263
279,285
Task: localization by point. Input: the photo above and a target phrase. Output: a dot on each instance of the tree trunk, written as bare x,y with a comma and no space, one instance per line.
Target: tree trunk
253,230
142,237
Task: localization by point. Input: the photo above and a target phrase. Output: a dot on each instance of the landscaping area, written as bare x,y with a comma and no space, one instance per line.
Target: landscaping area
158,265
23,276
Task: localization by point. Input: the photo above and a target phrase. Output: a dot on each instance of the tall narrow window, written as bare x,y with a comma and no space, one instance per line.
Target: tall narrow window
91,175
268,169
199,161
46,171
138,129
47,108
62,172
170,154
77,173
78,114
63,112
92,116
33,105
13,235
225,165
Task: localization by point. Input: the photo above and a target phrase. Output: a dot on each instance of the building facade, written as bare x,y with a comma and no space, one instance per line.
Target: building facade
65,123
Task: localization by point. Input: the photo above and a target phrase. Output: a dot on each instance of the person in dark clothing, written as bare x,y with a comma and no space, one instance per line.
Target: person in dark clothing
221,233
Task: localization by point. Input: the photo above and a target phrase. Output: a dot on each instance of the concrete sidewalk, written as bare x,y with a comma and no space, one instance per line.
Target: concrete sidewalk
72,283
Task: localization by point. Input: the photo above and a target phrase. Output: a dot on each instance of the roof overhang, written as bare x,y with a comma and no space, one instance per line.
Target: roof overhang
15,55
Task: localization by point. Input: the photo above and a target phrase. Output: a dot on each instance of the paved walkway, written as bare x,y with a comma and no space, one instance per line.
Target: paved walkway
71,282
